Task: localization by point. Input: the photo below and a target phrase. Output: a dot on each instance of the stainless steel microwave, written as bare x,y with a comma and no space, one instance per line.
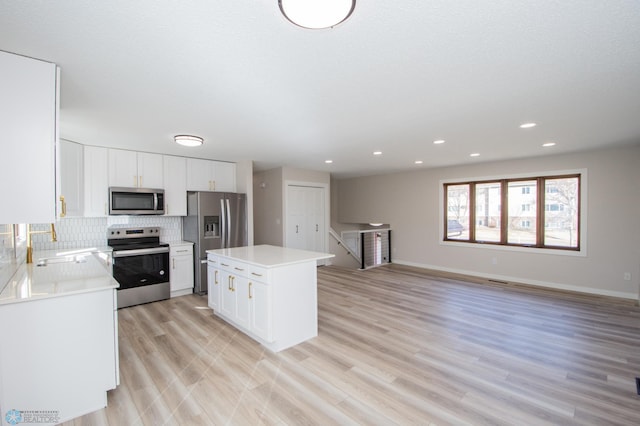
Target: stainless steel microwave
136,201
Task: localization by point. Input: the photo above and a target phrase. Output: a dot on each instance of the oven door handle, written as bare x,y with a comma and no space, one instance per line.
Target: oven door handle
126,253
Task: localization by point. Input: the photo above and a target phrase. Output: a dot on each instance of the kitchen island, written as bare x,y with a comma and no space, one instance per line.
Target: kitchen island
270,293
59,351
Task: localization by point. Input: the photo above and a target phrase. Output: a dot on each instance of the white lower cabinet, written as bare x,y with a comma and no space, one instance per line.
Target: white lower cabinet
269,293
213,283
59,354
181,275
235,295
260,303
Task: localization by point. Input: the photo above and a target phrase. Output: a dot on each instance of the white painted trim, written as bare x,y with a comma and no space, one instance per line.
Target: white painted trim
531,250
517,280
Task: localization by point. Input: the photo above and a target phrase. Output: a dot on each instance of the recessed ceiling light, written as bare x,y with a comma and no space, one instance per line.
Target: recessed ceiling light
377,152
548,144
438,142
418,161
475,154
188,140
527,125
328,161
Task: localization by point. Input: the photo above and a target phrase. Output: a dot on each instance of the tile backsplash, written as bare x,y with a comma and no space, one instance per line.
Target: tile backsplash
80,232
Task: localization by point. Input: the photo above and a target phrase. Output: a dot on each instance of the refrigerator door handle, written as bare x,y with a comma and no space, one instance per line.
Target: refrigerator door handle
228,223
223,228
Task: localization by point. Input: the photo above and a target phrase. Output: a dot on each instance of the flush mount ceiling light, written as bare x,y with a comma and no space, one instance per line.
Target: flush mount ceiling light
188,140
316,14
527,125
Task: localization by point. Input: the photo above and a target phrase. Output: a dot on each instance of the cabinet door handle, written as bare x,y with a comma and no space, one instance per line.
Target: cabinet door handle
173,261
105,209
140,177
224,264
316,227
135,181
215,280
229,283
250,295
238,269
257,275
63,206
233,283
296,229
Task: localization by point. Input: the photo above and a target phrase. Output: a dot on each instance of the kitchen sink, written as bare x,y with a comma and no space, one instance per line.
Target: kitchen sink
80,258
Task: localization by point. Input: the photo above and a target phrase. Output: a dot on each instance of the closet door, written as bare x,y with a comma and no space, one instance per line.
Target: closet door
305,218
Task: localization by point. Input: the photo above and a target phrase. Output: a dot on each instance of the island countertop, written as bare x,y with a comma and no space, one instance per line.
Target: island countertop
57,278
270,256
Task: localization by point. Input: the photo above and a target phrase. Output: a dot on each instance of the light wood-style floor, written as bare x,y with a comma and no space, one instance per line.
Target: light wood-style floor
396,346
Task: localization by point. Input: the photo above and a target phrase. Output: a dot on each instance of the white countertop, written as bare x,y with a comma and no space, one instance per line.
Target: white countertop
32,282
270,256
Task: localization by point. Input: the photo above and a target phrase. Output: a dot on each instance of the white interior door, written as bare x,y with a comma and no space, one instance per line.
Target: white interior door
305,216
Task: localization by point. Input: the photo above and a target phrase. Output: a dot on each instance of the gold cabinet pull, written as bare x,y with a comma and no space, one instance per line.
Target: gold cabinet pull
250,295
63,205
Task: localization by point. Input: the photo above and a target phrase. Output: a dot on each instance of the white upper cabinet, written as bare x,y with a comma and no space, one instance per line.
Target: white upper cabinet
225,176
175,186
96,182
150,170
71,195
207,175
132,169
28,119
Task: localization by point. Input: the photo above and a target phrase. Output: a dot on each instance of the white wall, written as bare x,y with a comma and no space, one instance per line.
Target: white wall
410,203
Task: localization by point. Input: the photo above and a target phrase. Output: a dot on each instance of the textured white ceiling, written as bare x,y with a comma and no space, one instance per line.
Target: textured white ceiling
394,77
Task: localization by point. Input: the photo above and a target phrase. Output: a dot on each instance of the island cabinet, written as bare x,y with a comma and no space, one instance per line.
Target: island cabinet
268,292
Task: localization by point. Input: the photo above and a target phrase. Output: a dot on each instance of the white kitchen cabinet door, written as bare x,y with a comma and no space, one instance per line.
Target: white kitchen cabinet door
181,276
224,176
260,301
150,167
200,175
175,185
123,168
227,296
132,169
29,139
243,303
71,176
213,284
81,361
96,182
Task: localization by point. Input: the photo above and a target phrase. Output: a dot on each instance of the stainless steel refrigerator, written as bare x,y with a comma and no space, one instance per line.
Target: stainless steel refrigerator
214,220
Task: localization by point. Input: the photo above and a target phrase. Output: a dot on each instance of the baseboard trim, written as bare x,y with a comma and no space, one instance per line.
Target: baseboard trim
519,280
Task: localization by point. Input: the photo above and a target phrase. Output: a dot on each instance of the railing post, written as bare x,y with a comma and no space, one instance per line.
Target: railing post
361,250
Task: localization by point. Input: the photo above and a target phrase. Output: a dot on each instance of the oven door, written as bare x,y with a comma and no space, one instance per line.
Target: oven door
141,267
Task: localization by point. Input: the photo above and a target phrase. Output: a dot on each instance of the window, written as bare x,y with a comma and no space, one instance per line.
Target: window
457,212
538,212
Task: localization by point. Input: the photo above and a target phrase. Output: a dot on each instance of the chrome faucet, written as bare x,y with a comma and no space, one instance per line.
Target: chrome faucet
51,231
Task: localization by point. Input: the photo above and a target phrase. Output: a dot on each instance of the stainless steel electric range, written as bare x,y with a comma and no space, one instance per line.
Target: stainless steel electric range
140,265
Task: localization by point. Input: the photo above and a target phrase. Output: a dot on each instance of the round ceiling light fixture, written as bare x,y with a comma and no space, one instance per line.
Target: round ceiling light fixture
316,14
188,140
